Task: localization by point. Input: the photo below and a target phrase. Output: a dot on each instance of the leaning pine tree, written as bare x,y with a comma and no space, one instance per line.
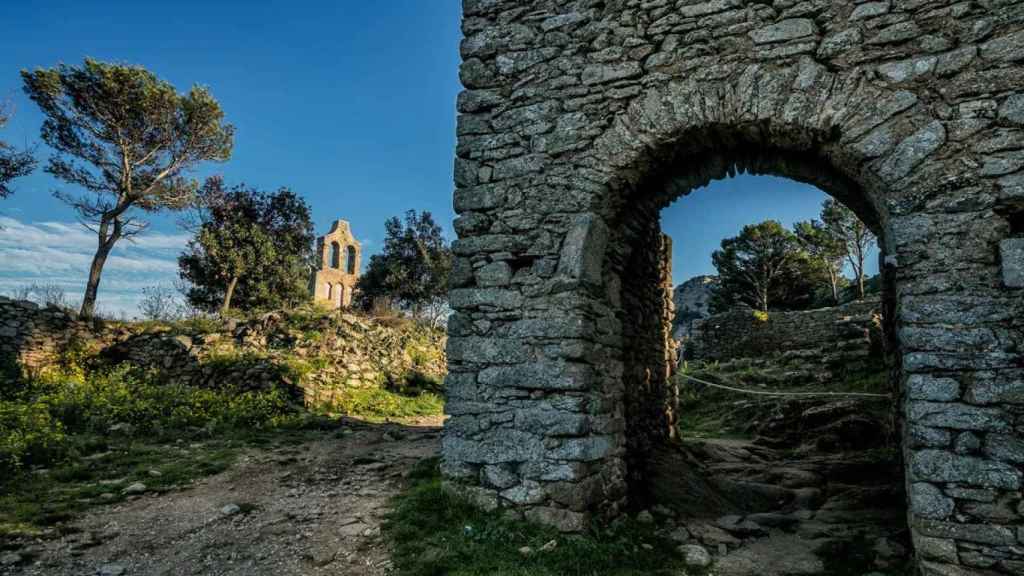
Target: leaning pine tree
127,138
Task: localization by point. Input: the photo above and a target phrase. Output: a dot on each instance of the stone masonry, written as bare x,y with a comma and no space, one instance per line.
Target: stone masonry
318,357
337,270
854,329
581,119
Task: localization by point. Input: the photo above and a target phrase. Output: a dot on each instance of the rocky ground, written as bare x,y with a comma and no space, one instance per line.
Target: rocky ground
312,508
821,495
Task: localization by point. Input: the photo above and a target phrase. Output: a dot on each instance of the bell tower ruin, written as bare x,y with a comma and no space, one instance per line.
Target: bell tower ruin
338,268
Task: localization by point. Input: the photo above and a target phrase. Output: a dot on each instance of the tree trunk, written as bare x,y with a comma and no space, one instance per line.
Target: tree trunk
834,280
106,244
227,296
860,274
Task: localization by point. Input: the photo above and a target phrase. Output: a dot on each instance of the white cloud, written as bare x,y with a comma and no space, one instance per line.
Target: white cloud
61,253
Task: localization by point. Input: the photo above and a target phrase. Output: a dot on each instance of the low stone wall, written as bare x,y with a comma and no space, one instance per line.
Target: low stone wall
825,335
321,355
33,336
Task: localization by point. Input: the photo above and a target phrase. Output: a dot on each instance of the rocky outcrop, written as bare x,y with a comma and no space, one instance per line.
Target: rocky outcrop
692,300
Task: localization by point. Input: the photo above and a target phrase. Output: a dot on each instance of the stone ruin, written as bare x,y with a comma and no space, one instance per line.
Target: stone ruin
337,270
581,119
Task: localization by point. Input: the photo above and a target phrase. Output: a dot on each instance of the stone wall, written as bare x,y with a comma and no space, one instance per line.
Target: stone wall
33,336
319,355
582,118
844,335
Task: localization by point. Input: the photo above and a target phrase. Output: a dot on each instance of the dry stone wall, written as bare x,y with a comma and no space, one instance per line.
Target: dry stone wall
318,356
845,335
582,118
33,336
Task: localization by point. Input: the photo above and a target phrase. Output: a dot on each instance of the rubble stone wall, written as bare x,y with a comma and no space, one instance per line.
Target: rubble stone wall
580,119
852,330
319,357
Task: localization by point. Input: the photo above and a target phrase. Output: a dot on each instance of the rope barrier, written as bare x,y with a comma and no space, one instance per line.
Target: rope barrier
764,393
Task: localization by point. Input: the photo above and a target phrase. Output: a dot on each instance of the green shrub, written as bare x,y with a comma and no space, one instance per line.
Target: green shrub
379,404
35,422
29,435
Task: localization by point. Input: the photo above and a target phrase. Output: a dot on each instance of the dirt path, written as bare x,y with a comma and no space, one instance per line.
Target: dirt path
313,508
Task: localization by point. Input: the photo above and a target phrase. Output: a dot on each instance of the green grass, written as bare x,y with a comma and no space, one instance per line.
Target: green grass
378,404
714,413
433,532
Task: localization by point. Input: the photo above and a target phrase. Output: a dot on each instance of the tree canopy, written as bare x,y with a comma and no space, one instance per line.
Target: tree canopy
412,270
252,250
765,267
127,138
843,225
821,244
13,163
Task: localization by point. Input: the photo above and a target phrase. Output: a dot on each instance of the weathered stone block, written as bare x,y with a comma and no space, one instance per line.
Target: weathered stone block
928,501
1005,447
1011,254
942,466
980,533
564,520
941,549
957,415
785,30
927,387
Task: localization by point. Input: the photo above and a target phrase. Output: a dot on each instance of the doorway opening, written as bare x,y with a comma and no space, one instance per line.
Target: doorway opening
762,404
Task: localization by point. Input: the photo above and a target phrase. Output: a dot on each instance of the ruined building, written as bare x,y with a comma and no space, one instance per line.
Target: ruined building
338,269
581,120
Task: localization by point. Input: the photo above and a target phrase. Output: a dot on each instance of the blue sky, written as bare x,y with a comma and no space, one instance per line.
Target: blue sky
351,104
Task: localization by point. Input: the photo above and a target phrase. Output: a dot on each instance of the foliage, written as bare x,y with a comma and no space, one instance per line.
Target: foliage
823,245
13,163
433,531
161,304
41,415
412,271
127,138
252,249
764,267
377,404
846,227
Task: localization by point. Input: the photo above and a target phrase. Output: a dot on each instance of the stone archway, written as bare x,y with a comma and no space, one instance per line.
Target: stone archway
580,120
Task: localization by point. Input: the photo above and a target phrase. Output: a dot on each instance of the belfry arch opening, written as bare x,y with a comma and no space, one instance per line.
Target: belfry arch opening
668,462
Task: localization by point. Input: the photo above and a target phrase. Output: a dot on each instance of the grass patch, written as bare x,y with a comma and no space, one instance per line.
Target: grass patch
434,532
378,404
707,412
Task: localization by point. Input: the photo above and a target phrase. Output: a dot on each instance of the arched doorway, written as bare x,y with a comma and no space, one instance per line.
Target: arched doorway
556,385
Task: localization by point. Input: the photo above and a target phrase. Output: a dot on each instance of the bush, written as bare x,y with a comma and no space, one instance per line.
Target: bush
29,435
36,420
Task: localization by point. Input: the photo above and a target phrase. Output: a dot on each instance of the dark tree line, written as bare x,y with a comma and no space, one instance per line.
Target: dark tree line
767,266
411,272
